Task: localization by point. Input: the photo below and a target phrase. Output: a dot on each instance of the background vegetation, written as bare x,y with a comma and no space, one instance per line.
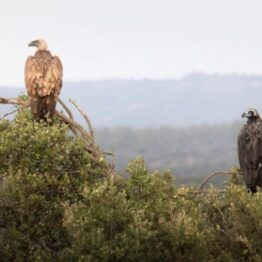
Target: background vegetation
190,153
56,204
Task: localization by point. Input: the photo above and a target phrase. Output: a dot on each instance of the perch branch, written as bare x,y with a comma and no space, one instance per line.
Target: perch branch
13,101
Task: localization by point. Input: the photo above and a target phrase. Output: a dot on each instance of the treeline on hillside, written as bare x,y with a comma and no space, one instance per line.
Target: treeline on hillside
190,153
192,100
58,204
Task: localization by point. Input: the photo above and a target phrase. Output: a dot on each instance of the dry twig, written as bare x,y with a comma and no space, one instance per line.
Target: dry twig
86,119
14,111
69,112
199,192
229,173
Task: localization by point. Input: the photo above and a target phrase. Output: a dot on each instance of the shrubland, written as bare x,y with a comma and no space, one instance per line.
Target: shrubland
58,204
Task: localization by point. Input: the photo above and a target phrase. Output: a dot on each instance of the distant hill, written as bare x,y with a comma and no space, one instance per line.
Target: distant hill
195,99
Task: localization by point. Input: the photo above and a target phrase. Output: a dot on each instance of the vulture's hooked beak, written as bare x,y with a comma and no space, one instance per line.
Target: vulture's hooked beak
33,43
246,114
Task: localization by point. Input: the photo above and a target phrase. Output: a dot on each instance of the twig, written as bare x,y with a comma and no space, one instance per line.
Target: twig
72,123
14,111
199,192
113,164
69,112
86,119
230,173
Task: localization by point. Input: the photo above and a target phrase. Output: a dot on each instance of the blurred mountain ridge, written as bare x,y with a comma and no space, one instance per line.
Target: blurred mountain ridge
195,99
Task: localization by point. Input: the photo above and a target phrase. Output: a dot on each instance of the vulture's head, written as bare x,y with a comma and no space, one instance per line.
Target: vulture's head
40,44
252,114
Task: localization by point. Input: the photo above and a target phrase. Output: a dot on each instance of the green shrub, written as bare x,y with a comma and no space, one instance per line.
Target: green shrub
56,204
146,218
43,167
138,219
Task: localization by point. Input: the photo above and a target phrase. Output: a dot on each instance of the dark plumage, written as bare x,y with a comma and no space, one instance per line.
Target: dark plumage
43,79
250,149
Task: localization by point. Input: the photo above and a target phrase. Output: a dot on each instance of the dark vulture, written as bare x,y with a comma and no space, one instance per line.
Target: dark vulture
250,150
43,79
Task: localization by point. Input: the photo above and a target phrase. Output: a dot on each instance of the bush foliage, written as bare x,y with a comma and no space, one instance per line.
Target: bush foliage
56,204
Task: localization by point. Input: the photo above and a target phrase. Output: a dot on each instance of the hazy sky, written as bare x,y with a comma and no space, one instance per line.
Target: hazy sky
133,38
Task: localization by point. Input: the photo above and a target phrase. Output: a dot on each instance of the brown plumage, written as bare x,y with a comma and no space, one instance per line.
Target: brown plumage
43,79
250,150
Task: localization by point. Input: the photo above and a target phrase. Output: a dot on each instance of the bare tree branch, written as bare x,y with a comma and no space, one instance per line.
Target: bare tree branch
86,119
14,111
69,112
229,173
74,125
13,101
199,193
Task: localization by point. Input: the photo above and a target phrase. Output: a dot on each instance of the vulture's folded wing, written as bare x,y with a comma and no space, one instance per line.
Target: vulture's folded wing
57,74
32,73
245,148
249,147
52,80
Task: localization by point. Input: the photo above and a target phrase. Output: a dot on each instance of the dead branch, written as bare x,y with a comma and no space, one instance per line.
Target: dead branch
229,173
14,111
69,112
199,193
86,119
13,101
74,126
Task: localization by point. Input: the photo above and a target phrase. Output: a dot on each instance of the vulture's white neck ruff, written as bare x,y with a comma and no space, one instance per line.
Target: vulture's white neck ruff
42,45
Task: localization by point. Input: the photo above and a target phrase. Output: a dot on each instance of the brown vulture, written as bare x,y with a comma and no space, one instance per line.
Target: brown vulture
250,150
43,79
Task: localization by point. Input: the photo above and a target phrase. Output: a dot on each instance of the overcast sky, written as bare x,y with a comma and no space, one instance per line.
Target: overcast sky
133,38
